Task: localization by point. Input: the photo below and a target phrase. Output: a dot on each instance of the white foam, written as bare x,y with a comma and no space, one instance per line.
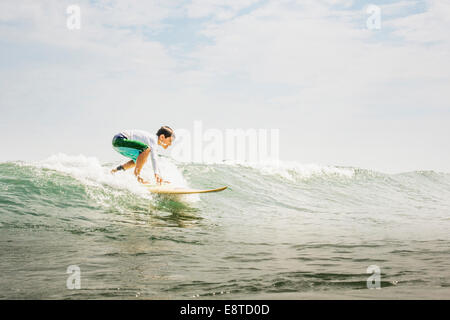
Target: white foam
89,171
291,170
294,170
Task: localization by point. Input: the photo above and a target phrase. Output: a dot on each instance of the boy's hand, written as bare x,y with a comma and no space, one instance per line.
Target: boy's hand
158,179
139,179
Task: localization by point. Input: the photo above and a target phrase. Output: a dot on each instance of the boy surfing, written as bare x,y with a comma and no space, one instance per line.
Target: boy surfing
138,145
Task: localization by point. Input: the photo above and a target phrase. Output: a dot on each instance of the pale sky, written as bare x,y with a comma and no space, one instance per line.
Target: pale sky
340,93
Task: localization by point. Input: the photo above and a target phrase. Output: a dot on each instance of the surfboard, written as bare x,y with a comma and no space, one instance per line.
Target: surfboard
165,189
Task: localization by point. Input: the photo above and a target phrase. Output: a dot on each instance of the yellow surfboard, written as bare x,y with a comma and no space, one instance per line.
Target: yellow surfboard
167,189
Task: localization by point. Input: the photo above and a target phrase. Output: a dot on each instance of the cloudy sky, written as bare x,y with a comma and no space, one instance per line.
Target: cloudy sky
339,92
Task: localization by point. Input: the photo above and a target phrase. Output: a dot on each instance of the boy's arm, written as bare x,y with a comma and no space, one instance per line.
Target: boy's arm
155,165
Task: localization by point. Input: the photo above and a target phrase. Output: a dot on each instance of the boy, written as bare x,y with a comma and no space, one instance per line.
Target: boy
137,145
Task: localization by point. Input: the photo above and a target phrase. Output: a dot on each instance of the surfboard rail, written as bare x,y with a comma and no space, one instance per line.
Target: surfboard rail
164,189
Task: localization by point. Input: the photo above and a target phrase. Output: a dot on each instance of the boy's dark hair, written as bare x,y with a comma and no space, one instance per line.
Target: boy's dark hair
166,131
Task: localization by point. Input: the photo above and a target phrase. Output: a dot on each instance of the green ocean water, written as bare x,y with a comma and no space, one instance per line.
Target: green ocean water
292,231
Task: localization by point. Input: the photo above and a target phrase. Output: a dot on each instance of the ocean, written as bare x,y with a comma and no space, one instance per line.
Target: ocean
286,231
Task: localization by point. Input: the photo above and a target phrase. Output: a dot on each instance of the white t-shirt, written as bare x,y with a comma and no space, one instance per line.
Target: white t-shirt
149,139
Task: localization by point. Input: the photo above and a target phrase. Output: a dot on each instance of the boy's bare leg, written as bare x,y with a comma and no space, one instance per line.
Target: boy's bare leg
140,161
125,166
130,164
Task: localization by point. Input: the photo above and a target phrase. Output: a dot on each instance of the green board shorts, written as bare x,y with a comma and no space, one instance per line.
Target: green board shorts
128,148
